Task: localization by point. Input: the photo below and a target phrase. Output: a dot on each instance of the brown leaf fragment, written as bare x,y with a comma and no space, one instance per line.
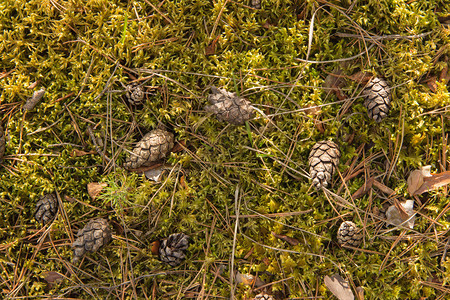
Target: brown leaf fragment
179,146
431,83
285,238
211,49
360,293
31,103
77,153
335,79
364,189
383,188
319,126
154,247
362,77
33,85
248,279
53,277
417,178
401,214
433,182
339,287
94,189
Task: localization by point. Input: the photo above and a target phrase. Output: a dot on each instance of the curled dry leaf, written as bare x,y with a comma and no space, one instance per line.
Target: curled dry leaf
339,287
285,238
364,189
247,279
77,153
31,103
52,277
401,214
421,181
94,189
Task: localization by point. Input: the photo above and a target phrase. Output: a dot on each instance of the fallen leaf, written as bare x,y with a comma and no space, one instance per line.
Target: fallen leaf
180,146
364,189
33,85
285,238
383,188
335,79
154,174
339,287
94,189
31,103
433,182
361,77
319,126
247,279
401,214
154,247
211,49
77,153
417,178
360,293
53,277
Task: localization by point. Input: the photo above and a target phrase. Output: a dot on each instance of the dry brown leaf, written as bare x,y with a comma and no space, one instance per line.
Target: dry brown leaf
211,49
319,126
361,77
154,174
94,189
247,279
53,277
339,287
433,182
334,79
421,181
364,189
31,103
360,293
285,238
77,153
401,214
33,85
383,188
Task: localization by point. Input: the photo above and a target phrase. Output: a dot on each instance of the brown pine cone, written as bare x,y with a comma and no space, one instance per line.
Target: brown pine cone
263,296
378,98
134,93
152,147
229,107
94,235
323,161
46,208
256,4
349,234
2,142
172,249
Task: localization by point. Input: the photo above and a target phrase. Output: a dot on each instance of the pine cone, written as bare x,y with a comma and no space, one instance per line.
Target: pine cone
94,235
46,208
134,93
2,142
153,146
172,249
263,296
229,107
323,161
256,4
349,234
378,98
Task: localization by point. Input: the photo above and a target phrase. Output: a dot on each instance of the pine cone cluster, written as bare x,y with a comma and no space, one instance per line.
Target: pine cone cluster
134,94
377,99
229,107
323,161
94,235
2,142
349,234
152,147
46,208
173,249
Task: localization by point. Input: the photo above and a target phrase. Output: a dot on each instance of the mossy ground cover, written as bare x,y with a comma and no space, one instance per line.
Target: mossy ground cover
255,176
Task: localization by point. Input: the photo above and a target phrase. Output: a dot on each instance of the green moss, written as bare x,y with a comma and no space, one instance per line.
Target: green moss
72,48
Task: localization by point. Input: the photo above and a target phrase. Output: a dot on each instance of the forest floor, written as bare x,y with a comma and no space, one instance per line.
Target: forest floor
242,193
